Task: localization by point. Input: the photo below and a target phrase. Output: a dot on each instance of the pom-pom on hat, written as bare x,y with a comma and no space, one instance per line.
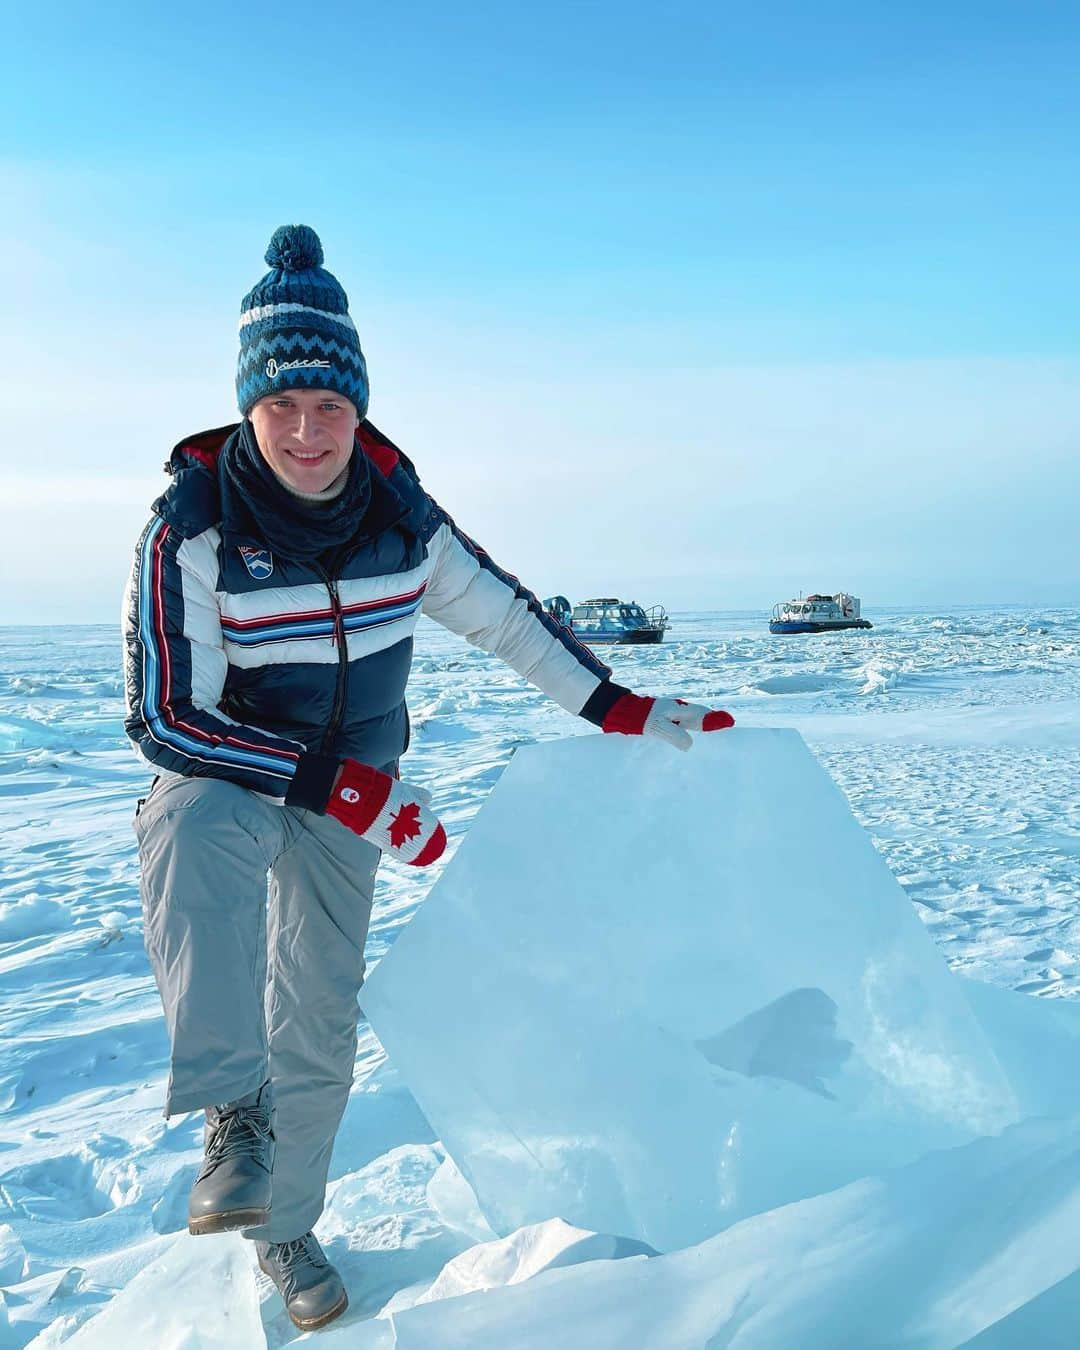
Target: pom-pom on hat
295,330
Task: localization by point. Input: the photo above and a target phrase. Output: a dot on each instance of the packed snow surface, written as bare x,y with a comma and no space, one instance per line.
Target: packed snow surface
955,737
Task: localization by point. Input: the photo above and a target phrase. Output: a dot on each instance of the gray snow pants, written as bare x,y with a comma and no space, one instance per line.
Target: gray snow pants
249,997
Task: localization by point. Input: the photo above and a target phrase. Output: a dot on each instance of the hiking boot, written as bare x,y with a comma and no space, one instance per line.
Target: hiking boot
305,1279
232,1189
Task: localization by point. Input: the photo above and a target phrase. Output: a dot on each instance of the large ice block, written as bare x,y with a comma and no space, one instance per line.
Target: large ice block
655,993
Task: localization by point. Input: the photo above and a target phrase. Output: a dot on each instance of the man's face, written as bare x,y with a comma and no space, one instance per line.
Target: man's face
305,435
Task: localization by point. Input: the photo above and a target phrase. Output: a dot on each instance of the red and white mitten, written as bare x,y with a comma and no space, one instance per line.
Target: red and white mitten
668,719
388,813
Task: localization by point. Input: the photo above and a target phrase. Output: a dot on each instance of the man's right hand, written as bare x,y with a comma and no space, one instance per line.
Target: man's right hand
387,813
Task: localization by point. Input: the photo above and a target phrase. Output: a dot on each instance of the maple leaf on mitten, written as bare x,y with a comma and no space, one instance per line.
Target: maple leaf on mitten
405,825
388,813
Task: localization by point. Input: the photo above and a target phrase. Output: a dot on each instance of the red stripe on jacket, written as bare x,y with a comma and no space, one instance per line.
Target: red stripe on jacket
158,591
305,616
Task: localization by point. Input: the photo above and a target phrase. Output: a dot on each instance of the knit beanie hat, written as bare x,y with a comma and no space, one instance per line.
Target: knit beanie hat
295,330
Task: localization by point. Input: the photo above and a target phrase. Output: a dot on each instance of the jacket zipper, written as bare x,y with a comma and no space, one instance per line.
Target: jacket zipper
342,646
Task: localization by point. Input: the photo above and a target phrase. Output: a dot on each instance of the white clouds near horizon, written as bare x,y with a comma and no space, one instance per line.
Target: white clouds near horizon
727,487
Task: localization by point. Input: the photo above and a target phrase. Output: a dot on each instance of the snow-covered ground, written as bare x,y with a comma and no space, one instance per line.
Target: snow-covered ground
955,736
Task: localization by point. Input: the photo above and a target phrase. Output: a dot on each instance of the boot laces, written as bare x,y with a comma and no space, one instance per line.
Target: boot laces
301,1251
244,1132
295,1257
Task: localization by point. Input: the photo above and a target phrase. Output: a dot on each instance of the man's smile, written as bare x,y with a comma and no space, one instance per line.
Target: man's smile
308,456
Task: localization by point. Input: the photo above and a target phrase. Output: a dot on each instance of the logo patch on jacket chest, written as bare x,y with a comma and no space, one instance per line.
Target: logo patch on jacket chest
258,561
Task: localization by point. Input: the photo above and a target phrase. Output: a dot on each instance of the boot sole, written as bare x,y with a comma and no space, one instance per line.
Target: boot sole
228,1220
314,1323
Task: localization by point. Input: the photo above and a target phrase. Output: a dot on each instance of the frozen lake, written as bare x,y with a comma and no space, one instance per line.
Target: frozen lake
955,735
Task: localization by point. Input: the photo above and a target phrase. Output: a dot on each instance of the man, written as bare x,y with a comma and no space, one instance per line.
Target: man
268,627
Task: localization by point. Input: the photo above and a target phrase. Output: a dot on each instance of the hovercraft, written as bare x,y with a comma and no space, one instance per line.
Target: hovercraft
818,614
607,620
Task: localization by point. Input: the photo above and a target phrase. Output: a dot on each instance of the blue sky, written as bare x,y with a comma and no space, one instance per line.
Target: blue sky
700,304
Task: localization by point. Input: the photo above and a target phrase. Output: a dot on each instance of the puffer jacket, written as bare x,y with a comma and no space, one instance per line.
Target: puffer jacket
247,666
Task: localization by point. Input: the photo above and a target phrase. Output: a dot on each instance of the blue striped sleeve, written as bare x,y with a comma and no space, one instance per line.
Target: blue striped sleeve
160,660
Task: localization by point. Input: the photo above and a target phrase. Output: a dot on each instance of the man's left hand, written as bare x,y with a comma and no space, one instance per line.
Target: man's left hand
668,719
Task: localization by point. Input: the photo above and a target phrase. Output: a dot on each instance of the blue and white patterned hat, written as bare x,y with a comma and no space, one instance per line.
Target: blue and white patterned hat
295,330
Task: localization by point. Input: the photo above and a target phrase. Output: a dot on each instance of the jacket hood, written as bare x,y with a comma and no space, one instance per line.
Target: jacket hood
192,502
202,449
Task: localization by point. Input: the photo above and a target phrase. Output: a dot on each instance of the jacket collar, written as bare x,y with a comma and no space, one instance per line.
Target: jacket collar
386,508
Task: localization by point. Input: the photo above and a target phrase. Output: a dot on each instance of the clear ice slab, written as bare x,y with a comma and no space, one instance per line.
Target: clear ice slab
655,993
